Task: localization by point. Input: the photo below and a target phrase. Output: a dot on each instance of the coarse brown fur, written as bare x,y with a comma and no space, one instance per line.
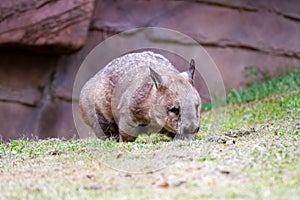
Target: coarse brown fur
141,93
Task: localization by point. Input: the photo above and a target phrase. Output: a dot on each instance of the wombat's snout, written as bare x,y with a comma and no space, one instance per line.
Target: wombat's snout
192,129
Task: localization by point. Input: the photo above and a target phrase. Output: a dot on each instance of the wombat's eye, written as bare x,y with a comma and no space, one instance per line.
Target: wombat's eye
197,106
174,110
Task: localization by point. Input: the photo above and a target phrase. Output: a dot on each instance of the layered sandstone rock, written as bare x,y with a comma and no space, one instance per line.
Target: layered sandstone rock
55,26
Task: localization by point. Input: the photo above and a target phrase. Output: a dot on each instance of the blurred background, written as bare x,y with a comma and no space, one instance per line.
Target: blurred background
43,43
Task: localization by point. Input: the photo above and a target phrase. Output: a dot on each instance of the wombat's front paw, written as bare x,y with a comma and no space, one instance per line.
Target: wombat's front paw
123,137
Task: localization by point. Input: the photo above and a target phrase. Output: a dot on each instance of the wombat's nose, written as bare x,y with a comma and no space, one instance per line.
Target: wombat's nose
191,129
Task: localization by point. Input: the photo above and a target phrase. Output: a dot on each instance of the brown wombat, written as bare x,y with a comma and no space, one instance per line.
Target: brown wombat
141,93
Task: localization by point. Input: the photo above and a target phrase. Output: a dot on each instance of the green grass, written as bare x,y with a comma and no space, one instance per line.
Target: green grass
243,151
258,91
258,112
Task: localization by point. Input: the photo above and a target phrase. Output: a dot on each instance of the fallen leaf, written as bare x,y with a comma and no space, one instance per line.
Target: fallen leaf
162,184
54,153
119,155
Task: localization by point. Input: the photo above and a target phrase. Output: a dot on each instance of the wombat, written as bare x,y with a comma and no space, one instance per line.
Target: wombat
141,93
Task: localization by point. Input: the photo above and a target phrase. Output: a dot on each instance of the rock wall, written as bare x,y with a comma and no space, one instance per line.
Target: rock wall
42,44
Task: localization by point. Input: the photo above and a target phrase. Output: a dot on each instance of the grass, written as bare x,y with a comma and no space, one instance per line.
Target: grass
258,90
246,150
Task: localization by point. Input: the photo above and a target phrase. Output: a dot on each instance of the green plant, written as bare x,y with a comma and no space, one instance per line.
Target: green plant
258,91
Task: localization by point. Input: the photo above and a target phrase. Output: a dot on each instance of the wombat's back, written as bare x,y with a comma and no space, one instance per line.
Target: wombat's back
139,62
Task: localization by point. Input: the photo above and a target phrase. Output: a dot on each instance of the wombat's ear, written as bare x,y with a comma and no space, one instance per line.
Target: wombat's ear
157,79
189,74
191,70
